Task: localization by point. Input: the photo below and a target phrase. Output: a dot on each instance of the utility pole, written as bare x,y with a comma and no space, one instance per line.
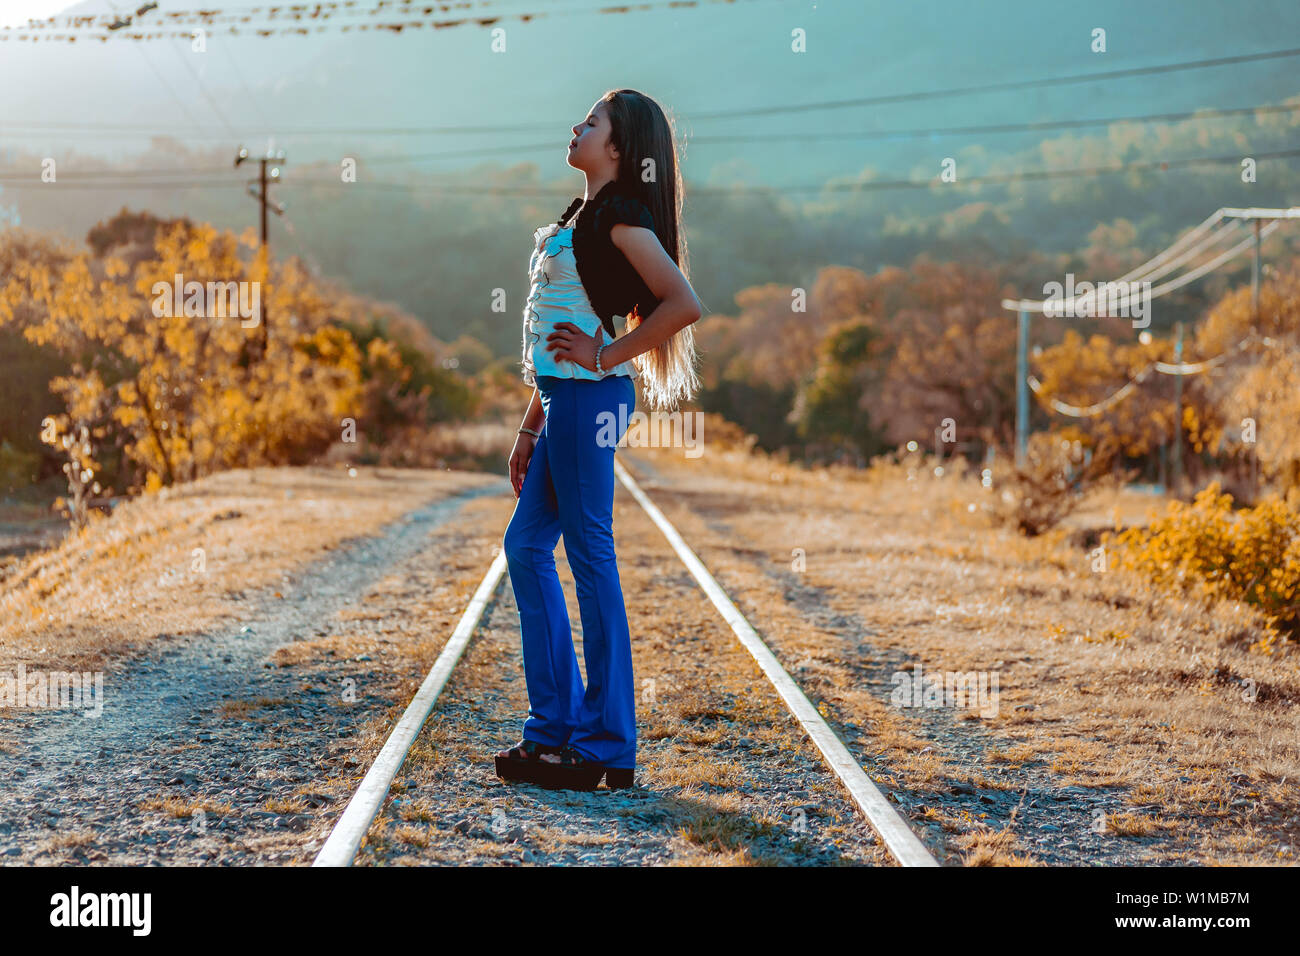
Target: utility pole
1022,387
1258,215
269,172
1176,472
1025,306
1254,305
1254,278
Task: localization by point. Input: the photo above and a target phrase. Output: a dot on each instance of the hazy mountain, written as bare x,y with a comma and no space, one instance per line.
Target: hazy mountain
317,95
709,60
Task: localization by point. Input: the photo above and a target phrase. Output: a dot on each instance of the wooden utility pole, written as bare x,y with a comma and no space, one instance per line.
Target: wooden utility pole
268,173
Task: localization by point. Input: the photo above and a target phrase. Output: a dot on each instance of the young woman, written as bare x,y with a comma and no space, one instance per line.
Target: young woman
617,251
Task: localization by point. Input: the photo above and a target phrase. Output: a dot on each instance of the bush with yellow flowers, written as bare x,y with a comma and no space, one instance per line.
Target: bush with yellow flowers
177,393
1212,552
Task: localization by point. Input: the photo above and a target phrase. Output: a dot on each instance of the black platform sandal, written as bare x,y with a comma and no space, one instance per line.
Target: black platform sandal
521,761
573,771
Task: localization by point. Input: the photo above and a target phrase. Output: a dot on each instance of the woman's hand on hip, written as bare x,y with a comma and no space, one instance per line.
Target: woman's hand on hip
570,343
520,456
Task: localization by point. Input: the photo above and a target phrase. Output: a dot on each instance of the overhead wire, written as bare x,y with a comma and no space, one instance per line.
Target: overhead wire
208,19
856,186
913,96
162,79
1170,368
204,90
1118,291
987,129
1166,368
873,185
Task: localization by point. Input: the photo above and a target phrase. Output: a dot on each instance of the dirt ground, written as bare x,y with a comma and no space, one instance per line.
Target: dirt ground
1130,726
1125,727
177,562
725,775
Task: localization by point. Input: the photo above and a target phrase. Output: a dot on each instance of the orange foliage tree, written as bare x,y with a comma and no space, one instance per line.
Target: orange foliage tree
875,359
1252,411
953,357
188,394
1245,408
1081,372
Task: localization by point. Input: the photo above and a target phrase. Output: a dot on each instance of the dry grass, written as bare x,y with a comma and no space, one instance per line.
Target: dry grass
727,838
180,560
992,848
697,687
70,841
182,809
1103,681
245,708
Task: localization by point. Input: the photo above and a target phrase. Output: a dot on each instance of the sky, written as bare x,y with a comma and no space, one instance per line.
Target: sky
17,12
750,111
338,95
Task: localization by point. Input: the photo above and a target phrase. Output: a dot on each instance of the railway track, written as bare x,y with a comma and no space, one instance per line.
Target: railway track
345,839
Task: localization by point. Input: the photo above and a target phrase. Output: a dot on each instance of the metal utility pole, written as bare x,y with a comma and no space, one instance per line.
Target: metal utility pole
1022,388
1258,215
1254,278
268,173
1142,273
1254,311
1176,471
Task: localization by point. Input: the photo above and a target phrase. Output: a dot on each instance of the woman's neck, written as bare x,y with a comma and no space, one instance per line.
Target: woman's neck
595,184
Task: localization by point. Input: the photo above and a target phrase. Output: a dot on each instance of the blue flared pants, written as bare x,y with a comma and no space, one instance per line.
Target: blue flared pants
568,489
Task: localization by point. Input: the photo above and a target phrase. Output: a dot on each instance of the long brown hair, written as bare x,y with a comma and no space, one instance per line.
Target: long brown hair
640,131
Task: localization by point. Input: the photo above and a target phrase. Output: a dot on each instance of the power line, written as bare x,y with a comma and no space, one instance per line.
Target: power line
1008,85
871,186
195,184
1026,381
126,175
206,95
1120,290
994,128
278,11
1007,127
161,78
1149,270
1210,222
1162,165
210,18
1166,368
951,92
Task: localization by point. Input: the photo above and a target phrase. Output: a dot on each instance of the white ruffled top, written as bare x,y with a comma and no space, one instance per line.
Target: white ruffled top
557,295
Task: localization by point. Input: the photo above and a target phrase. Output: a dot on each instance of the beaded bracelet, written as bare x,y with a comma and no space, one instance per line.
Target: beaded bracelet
529,431
599,370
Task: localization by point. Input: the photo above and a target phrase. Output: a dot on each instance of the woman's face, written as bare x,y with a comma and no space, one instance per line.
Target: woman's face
590,148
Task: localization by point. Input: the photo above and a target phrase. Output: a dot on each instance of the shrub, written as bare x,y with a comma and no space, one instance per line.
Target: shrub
1213,553
1056,477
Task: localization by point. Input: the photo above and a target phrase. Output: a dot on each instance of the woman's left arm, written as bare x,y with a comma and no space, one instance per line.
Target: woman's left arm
678,307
